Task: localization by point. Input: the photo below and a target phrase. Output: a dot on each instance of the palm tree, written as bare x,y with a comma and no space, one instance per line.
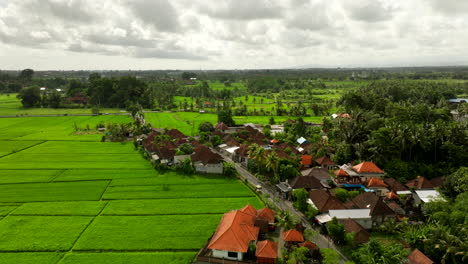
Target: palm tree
272,163
257,153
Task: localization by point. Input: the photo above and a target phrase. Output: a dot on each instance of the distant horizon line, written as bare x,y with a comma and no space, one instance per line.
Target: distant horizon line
251,69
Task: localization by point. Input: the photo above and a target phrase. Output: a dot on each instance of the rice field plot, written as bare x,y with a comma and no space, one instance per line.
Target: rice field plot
55,128
41,233
106,174
177,191
84,208
178,206
56,191
186,122
128,258
168,232
173,178
7,147
30,258
25,176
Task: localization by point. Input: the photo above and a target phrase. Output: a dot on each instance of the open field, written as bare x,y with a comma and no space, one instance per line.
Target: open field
11,106
67,199
55,128
188,122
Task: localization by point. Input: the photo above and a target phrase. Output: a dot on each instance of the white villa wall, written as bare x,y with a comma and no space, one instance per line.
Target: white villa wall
224,254
209,168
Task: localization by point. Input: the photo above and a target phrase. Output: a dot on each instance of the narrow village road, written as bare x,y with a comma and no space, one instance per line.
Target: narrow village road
276,199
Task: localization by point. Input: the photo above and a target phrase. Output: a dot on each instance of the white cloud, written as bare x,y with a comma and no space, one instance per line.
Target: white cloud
230,33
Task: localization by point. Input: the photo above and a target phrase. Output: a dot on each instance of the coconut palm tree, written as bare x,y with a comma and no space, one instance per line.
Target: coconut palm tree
272,163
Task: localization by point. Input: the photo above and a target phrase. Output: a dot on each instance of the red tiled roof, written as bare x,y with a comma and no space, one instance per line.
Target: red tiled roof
391,196
206,156
248,209
306,160
274,141
417,257
234,232
365,200
292,236
367,167
266,214
266,249
325,161
376,182
420,183
341,173
308,244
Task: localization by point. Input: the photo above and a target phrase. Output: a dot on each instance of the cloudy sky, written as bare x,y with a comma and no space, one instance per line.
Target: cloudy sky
231,34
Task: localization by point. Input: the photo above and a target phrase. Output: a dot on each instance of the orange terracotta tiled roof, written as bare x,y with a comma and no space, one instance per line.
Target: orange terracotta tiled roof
308,244
391,196
341,173
306,160
234,232
248,209
417,257
367,167
376,182
266,214
325,161
266,249
274,141
292,236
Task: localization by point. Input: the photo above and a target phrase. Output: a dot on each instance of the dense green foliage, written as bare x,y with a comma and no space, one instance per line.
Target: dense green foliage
404,127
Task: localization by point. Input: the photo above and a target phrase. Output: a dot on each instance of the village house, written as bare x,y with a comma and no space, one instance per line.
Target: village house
306,182
358,174
292,237
266,252
378,186
361,216
379,210
425,196
396,186
235,232
420,183
326,162
351,226
323,201
206,161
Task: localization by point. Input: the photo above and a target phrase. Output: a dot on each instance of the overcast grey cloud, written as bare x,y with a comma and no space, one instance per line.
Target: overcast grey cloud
213,34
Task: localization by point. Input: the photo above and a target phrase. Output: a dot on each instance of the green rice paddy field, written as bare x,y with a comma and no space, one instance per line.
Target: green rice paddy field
70,199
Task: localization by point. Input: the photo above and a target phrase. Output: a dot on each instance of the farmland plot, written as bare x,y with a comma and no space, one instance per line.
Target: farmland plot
66,199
